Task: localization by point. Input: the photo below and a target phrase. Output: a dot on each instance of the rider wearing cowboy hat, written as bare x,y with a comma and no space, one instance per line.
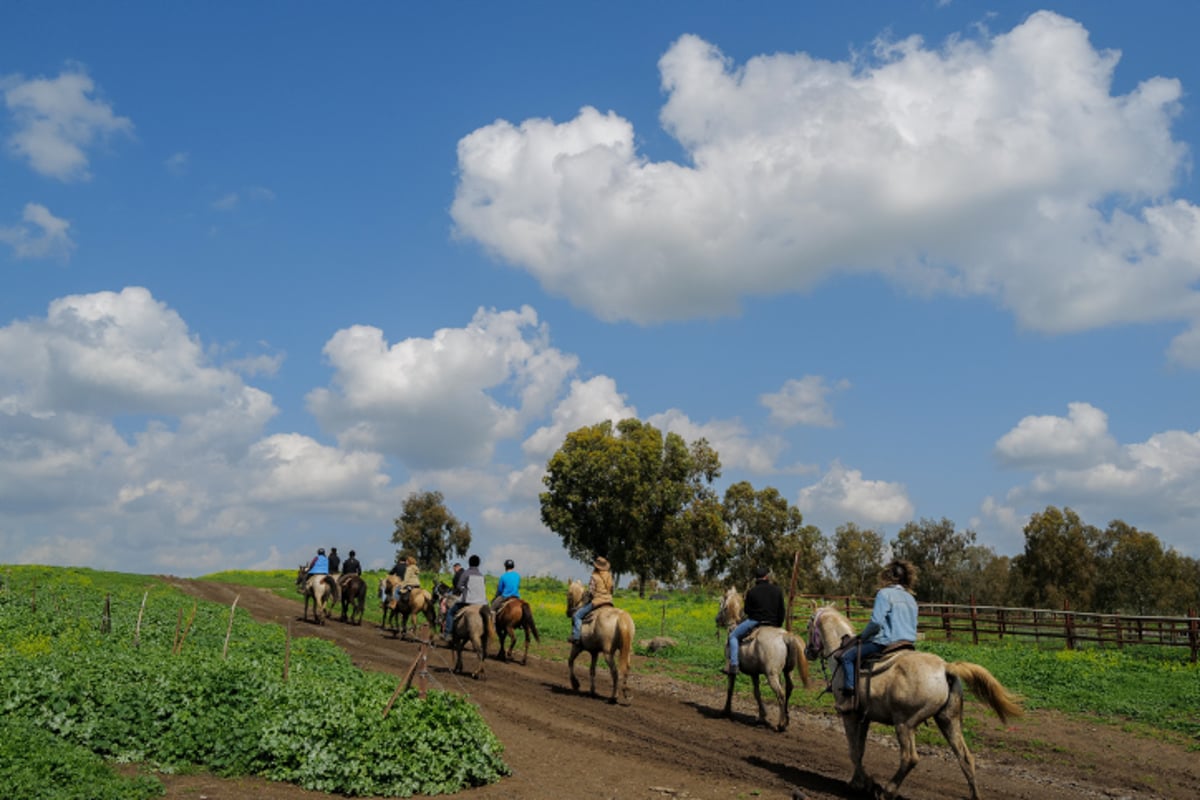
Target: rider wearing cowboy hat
600,589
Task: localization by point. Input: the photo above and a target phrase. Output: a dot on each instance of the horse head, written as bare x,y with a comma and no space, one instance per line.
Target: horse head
575,592
826,629
301,577
730,611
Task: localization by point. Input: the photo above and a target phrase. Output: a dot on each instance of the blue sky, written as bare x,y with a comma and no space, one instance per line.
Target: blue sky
269,268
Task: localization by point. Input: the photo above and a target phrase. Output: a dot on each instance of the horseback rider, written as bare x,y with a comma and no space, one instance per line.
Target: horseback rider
335,561
473,592
893,621
509,585
351,566
319,564
600,589
764,606
410,577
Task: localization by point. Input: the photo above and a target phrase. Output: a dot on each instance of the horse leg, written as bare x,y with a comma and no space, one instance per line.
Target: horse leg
788,685
575,650
781,697
906,736
856,738
592,673
611,657
949,722
730,681
762,708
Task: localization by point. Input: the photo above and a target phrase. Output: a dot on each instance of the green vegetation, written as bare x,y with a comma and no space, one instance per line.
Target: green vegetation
178,706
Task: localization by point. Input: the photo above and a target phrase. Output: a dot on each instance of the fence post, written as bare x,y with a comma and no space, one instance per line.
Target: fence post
1000,622
1069,624
946,629
1120,632
1193,632
787,620
106,620
974,621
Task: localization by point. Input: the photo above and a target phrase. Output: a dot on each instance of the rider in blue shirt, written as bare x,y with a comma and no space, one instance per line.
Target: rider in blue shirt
893,619
508,586
319,564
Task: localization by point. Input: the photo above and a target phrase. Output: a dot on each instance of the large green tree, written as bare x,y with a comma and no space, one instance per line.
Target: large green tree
764,529
857,559
641,499
1059,565
939,553
427,530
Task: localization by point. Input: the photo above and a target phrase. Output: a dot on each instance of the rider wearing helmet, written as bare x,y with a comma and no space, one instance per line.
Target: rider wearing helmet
509,585
319,564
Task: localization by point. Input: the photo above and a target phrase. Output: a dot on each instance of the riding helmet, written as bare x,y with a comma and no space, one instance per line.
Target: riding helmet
508,563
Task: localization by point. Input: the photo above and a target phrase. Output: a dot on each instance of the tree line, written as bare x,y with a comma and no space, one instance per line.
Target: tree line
647,502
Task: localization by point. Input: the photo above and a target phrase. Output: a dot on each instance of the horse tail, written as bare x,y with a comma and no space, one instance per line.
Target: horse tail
796,648
335,591
625,632
985,686
527,620
489,624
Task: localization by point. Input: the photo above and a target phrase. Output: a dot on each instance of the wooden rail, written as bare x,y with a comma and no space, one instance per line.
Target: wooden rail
975,623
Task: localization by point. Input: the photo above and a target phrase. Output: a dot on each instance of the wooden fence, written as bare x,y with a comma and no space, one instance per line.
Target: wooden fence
975,623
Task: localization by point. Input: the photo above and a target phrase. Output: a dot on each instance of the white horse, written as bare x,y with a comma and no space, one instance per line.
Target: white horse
904,689
320,590
766,650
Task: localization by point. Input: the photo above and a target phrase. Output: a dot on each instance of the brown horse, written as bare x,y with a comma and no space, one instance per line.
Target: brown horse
320,590
766,650
608,630
905,689
397,611
472,625
354,597
512,615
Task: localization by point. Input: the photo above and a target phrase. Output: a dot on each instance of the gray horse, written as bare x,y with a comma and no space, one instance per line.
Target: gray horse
472,625
767,650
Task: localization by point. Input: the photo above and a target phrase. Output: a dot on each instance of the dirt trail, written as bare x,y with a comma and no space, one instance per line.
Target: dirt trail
671,741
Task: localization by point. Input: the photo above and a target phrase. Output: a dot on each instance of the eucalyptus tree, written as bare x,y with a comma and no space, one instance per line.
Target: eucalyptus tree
427,529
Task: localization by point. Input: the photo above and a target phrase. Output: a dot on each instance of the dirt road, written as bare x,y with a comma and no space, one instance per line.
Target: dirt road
671,741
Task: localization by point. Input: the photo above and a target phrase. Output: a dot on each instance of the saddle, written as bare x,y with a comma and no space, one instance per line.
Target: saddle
753,634
589,616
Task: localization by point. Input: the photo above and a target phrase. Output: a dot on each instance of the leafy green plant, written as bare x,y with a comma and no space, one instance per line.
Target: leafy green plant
178,707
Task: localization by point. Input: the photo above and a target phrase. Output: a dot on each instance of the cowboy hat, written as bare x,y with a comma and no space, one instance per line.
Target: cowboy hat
600,563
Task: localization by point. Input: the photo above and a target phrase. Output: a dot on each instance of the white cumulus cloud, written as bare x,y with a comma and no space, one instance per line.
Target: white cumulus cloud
843,495
39,235
56,121
1002,165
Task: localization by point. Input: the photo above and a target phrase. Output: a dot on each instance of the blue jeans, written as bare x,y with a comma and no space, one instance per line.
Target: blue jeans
743,628
577,621
449,621
849,657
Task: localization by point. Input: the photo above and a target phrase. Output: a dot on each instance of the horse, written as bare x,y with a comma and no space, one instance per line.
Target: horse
608,630
904,689
766,650
320,590
354,597
397,611
513,614
472,624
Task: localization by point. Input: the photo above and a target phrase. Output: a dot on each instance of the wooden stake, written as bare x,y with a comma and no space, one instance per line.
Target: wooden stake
229,630
106,619
137,631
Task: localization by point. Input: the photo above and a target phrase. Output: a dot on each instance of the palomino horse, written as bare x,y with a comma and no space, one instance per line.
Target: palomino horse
904,689
320,590
512,615
608,630
354,597
472,625
767,650
411,604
